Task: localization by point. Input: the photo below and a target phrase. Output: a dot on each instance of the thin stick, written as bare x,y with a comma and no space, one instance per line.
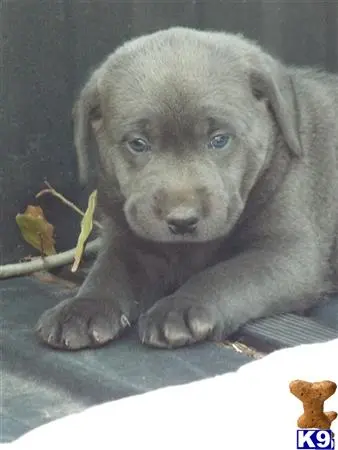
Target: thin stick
48,262
64,200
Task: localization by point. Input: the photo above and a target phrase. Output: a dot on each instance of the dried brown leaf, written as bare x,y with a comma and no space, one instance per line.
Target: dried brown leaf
36,230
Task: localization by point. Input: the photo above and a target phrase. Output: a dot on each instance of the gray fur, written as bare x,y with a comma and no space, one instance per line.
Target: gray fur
266,205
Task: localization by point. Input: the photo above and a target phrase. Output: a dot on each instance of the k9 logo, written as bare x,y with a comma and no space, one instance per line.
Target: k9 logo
315,439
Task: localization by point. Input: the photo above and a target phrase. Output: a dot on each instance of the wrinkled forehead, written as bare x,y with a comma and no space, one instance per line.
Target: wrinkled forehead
182,91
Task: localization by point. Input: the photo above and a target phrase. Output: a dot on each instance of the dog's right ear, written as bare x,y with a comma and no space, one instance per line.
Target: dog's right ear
86,109
270,81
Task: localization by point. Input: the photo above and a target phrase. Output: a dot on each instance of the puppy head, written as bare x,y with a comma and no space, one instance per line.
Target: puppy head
188,120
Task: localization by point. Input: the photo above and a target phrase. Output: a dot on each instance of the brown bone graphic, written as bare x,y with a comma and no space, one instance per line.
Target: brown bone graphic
313,396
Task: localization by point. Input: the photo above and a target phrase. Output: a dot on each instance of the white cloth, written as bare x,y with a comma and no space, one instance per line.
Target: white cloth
250,408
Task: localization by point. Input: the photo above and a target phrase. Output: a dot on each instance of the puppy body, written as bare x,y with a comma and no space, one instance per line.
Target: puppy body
217,189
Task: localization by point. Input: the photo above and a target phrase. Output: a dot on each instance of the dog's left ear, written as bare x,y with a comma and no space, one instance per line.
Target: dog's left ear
273,84
86,109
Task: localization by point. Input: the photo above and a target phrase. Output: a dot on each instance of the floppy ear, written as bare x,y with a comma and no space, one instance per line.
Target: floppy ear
86,109
273,84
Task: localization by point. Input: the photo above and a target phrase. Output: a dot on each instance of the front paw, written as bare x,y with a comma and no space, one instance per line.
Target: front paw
176,321
79,322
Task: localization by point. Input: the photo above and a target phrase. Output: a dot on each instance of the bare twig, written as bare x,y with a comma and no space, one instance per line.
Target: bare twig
48,262
64,200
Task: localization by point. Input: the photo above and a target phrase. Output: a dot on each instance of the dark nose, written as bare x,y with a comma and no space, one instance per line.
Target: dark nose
182,224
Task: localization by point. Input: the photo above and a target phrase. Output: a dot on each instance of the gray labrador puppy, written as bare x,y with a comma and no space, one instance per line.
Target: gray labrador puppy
217,187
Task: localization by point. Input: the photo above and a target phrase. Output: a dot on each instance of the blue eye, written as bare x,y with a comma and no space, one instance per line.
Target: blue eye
220,141
138,145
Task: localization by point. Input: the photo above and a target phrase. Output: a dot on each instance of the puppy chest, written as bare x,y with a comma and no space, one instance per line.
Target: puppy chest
165,274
